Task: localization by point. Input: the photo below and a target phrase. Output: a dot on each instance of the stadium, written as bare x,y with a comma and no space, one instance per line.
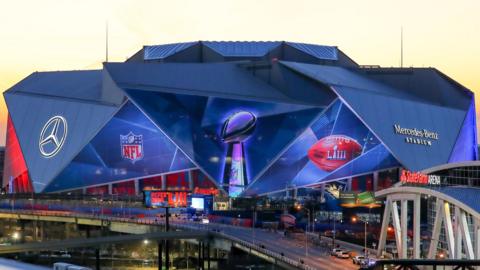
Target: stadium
234,118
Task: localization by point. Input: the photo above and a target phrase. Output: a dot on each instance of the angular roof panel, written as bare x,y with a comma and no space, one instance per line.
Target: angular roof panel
382,107
84,85
163,51
30,113
230,81
242,48
317,51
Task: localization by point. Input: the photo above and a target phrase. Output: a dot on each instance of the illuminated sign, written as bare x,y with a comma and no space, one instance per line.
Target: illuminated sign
205,191
408,177
132,146
157,198
335,188
52,136
416,136
363,199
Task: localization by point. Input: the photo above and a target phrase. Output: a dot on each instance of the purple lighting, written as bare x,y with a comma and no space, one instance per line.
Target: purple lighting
238,127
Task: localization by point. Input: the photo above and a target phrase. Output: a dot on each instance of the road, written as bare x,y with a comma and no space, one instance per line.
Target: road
292,247
318,257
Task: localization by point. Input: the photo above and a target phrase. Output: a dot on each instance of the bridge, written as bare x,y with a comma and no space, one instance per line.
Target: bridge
270,246
457,212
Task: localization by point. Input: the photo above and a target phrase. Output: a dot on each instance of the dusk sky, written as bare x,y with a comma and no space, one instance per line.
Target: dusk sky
70,35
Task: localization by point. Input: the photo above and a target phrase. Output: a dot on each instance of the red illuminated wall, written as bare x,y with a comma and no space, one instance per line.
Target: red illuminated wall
153,182
15,167
177,180
124,188
201,180
100,190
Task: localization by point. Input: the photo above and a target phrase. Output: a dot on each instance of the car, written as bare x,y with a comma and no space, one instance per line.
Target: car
358,259
368,264
339,251
335,250
343,254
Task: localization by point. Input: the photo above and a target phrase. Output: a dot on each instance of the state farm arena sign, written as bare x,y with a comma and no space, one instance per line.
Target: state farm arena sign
408,177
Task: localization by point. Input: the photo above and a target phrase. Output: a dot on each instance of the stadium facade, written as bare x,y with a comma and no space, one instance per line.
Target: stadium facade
239,118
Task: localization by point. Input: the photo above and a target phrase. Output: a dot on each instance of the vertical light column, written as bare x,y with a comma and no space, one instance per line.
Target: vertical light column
416,227
190,180
404,225
375,181
163,181
437,225
349,184
136,184
396,227
322,194
110,189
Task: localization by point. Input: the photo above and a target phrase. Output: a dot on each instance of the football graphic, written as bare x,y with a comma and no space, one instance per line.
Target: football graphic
238,127
332,152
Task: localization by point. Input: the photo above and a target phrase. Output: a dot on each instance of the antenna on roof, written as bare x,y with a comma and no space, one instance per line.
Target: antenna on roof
401,47
106,41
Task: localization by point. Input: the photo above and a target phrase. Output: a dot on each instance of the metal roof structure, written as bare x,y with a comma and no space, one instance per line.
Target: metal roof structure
184,92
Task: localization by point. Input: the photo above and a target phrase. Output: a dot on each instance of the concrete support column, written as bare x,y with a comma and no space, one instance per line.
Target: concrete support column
41,231
164,181
416,227
35,230
449,230
136,183
110,189
432,250
349,184
67,231
404,226
190,180
396,227
467,240
385,223
84,191
476,238
457,233
322,193
375,181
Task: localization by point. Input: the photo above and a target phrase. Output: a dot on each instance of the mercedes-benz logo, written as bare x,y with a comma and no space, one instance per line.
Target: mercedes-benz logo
53,136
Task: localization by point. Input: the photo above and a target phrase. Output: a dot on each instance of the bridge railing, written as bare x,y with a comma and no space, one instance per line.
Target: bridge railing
211,228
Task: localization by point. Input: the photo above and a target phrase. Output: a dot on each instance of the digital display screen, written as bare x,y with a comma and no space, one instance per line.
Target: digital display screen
198,203
154,198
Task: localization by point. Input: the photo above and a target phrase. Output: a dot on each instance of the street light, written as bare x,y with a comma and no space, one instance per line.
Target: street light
299,207
365,222
334,229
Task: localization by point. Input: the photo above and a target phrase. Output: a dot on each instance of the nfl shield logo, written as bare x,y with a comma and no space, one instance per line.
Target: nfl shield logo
131,146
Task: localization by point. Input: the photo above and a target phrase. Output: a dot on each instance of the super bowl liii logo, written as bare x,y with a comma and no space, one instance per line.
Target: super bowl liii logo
416,136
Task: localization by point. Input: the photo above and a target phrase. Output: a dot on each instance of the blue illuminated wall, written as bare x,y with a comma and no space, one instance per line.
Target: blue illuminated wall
295,168
466,146
195,122
103,160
